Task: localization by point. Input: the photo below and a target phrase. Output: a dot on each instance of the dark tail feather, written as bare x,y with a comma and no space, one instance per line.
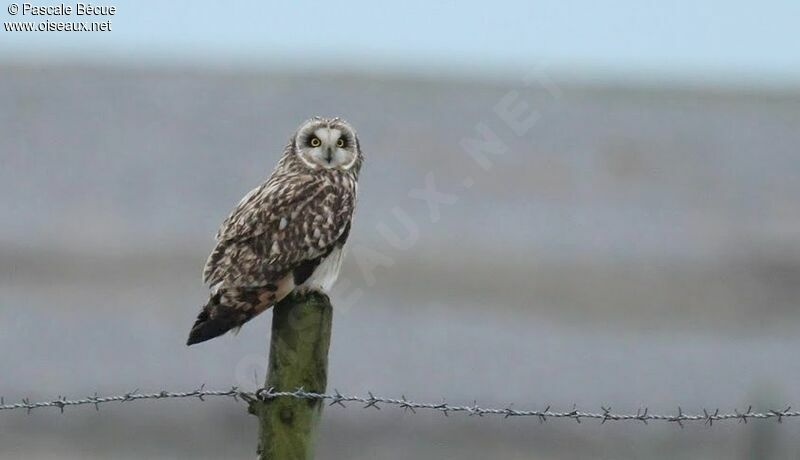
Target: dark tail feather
216,319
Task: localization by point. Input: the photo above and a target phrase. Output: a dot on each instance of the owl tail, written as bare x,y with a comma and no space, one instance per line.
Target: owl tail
228,310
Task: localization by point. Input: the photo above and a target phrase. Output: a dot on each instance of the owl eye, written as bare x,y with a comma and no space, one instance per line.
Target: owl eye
315,142
340,142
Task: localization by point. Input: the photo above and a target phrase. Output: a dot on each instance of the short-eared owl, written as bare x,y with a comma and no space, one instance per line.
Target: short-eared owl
287,233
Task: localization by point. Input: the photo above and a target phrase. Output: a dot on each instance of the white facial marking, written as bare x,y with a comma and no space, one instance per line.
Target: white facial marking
352,162
328,136
307,162
327,154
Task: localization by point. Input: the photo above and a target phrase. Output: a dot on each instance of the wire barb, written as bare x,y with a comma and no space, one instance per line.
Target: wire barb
337,398
542,415
405,405
372,402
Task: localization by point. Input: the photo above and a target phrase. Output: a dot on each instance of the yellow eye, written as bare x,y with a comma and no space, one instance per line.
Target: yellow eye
315,142
340,142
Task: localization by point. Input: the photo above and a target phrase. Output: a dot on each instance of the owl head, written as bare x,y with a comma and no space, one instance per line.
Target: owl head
327,143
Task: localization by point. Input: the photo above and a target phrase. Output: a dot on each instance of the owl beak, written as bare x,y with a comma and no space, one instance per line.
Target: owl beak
329,154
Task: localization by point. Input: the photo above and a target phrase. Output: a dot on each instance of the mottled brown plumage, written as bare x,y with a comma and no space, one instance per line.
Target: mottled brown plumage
286,234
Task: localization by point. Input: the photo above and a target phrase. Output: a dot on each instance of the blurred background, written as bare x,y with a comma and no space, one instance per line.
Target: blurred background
636,244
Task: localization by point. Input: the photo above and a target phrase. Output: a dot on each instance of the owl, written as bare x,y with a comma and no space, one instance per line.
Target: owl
288,233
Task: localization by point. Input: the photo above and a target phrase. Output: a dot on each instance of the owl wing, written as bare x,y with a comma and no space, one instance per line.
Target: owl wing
277,227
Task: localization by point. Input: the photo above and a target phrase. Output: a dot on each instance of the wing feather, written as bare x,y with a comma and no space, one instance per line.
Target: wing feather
276,227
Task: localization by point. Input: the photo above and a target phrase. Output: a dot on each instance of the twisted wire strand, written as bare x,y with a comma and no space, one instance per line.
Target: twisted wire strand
371,401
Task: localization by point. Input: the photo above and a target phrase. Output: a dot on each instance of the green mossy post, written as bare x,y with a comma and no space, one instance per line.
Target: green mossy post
298,357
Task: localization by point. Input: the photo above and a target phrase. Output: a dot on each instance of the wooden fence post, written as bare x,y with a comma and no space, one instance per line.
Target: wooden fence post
298,357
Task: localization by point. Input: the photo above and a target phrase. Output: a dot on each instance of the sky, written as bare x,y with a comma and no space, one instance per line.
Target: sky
733,41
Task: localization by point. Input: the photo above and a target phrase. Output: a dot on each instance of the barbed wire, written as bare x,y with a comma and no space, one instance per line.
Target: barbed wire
604,415
62,402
